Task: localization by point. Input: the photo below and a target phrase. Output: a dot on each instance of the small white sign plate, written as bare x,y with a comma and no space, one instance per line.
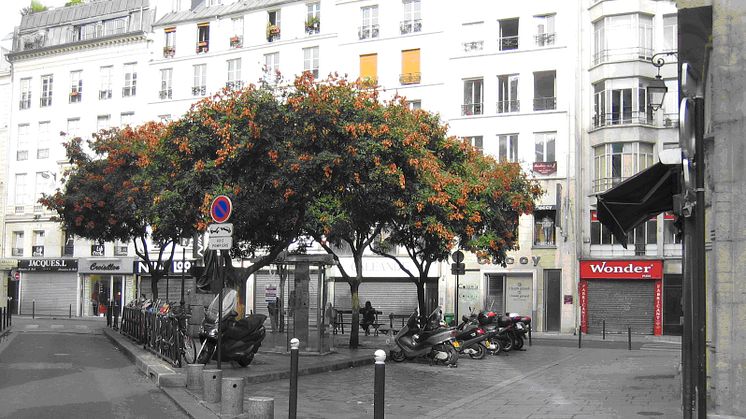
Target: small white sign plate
220,230
220,243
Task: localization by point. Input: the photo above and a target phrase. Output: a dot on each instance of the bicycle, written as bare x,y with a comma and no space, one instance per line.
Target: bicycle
187,346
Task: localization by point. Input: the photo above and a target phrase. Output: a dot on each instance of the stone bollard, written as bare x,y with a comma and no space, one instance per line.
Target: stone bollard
261,408
211,385
231,403
194,376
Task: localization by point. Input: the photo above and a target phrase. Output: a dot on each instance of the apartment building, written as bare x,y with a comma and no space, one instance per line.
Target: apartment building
8,285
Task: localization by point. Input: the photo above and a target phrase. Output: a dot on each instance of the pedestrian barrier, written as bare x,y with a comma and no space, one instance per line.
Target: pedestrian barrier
158,333
194,376
211,380
261,408
231,398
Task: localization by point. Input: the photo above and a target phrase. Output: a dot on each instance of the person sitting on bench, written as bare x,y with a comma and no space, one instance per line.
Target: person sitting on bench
369,317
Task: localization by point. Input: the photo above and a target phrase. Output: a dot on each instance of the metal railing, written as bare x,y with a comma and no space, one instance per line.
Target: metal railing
507,106
471,109
410,26
507,43
625,118
622,54
158,333
367,31
409,78
473,46
545,103
544,39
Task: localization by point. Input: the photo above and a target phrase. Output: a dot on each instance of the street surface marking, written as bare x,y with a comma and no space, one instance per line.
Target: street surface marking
32,326
81,327
57,326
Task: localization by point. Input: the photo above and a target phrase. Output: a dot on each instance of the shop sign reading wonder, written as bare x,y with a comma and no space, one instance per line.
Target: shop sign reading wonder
621,269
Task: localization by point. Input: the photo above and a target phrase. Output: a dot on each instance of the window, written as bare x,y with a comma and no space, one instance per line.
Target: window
507,148
670,33
120,248
615,162
199,85
643,234
44,184
507,94
508,39
42,151
313,18
76,86
273,25
115,26
17,249
104,91
476,142
37,243
473,35
311,61
234,74
414,104
166,77
544,30
410,66
126,118
69,247
130,80
21,155
369,27
22,144
21,194
236,40
544,231
412,22
203,37
102,122
369,68
545,85
272,65
166,118
473,97
544,146
619,102
623,37
46,90
672,233
25,102
169,48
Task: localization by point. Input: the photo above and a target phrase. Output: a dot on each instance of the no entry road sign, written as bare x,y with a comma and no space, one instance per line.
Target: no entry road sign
221,208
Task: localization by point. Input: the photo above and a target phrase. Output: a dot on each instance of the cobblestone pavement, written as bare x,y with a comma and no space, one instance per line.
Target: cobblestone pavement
547,381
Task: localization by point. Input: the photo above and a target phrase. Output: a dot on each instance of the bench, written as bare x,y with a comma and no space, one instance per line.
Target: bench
344,317
402,320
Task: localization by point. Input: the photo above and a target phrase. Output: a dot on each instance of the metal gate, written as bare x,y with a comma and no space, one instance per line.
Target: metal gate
48,293
622,303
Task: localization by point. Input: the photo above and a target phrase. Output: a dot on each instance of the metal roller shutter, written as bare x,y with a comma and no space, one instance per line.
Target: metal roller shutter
52,292
398,297
621,303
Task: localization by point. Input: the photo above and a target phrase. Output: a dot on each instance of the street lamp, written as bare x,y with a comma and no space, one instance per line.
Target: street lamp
657,88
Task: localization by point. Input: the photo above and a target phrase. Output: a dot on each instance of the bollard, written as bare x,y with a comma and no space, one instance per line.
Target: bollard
33,309
70,313
2,318
231,403
293,407
194,376
529,336
379,384
629,338
261,408
580,336
603,329
211,385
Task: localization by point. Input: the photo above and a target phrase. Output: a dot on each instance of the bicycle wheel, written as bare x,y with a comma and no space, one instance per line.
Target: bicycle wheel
189,349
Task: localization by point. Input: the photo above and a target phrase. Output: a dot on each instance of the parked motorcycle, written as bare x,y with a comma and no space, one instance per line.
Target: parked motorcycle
426,337
522,326
241,339
470,337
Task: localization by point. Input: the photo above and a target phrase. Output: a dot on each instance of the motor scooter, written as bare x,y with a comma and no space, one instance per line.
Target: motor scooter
425,337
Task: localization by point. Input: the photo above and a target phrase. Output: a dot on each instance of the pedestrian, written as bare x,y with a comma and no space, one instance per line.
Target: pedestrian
330,315
369,317
272,307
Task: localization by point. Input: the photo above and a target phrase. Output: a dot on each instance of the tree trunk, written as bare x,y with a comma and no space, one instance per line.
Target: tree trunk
421,295
355,321
154,278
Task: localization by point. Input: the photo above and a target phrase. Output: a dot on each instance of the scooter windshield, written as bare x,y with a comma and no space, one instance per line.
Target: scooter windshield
229,304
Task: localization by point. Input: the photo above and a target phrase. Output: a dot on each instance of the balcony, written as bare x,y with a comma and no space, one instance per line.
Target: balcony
622,54
25,102
625,118
75,96
45,101
545,103
409,78
104,94
508,106
236,41
544,39
508,43
164,94
313,26
237,84
199,90
410,26
273,33
203,47
471,109
473,46
168,52
366,32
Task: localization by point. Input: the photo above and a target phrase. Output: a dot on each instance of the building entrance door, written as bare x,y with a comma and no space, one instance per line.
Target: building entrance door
552,299
672,311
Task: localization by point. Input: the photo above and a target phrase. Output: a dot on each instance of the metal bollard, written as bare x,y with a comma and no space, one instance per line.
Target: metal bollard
231,403
211,385
580,337
2,318
261,408
379,384
33,309
70,313
604,329
529,336
629,338
194,376
293,407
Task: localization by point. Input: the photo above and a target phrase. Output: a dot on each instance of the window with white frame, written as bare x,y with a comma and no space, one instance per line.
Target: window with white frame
25,102
43,184
76,86
544,146
507,147
203,37
623,37
645,233
73,127
411,21
22,142
236,40
272,65
46,90
670,33
104,90
126,118
311,61
473,97
273,25
37,243
103,122
508,34
120,248
672,233
507,93
369,22
130,80
472,34
234,74
199,83
42,149
166,80
414,104
169,47
21,192
544,25
313,18
615,162
620,102
476,142
17,249
545,90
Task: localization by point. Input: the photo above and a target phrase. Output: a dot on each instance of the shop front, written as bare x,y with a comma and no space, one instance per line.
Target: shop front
621,294
48,286
105,282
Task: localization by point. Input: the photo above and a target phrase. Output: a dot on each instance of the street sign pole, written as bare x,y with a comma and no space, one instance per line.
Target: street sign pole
457,268
220,306
221,238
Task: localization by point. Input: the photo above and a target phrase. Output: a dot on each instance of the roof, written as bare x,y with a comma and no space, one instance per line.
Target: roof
202,12
65,15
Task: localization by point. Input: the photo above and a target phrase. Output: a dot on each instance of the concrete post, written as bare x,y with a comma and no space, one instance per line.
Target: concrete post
194,376
211,385
231,403
261,408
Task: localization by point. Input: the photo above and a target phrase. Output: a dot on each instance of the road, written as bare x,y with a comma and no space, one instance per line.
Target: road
63,369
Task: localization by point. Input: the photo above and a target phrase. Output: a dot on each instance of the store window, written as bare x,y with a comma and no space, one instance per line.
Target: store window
544,228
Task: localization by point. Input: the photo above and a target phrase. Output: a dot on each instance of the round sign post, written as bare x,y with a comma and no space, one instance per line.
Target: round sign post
220,209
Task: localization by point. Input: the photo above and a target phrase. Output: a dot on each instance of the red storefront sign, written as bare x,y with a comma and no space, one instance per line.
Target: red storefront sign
658,321
621,269
583,297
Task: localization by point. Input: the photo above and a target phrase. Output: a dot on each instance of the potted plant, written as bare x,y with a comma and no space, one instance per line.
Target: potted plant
235,41
272,31
312,24
168,51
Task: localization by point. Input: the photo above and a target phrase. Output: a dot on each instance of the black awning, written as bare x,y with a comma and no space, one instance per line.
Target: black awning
638,198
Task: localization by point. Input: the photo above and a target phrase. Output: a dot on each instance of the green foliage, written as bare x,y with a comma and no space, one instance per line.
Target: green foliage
35,7
74,2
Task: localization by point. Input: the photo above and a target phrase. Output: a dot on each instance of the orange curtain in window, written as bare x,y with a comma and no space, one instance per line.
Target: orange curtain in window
369,67
410,66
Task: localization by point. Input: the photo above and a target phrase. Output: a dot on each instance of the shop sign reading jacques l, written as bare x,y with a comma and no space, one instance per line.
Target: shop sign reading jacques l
49,265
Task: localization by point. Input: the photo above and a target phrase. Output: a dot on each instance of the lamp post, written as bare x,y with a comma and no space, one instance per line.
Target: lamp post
657,89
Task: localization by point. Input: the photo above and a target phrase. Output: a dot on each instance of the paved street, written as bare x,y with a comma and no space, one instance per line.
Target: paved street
549,380
68,369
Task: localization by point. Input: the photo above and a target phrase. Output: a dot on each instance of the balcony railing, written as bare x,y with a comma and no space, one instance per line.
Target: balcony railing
199,90
168,52
236,41
104,94
410,26
68,250
544,39
409,78
202,47
165,94
75,96
45,101
622,54
366,32
237,84
507,43
471,109
273,33
312,26
473,46
671,120
545,103
128,91
507,106
25,103
626,118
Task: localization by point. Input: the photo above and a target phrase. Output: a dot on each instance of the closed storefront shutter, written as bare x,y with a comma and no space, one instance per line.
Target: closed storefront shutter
622,303
53,293
399,297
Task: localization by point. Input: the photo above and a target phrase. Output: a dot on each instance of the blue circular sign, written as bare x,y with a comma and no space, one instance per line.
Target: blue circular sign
220,209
